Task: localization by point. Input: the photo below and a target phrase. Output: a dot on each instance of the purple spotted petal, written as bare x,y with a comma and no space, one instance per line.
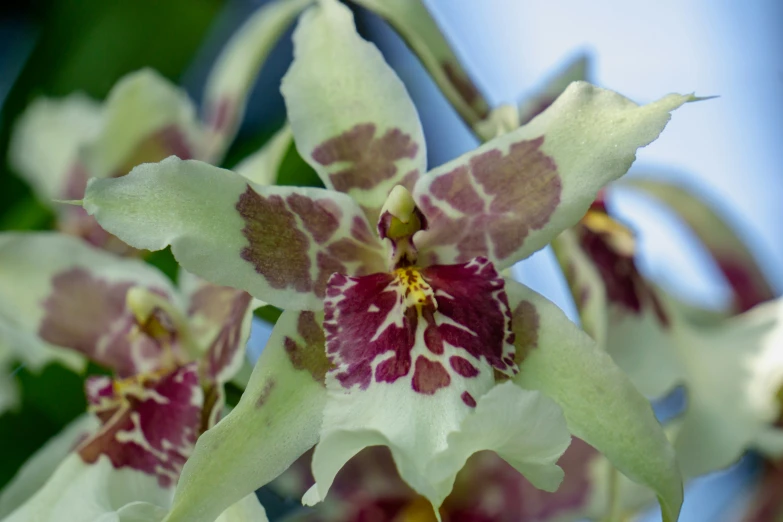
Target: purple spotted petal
150,423
488,205
430,326
296,242
366,158
89,314
517,192
352,118
280,244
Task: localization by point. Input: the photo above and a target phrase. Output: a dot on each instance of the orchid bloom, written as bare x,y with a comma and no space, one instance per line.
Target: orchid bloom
749,288
732,370
408,338
170,351
57,145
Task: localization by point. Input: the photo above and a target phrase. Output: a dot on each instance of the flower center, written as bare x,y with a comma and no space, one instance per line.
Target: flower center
416,291
158,319
399,220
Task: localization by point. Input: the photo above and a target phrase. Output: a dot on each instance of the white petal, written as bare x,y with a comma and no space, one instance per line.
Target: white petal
82,492
734,377
526,428
36,471
46,140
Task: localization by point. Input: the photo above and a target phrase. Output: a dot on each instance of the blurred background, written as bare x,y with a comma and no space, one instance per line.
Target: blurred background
727,148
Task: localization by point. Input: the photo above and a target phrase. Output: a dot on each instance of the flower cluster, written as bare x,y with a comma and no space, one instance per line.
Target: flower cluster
400,327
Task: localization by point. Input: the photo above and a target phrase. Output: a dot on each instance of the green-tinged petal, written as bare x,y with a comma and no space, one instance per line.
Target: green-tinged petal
262,166
729,251
600,404
611,490
525,428
145,119
514,194
57,292
280,244
249,509
237,68
734,378
277,419
46,140
577,69
351,116
90,493
412,20
37,470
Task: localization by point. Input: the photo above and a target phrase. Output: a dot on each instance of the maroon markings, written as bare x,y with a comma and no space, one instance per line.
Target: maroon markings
747,283
226,308
287,236
429,376
88,314
327,265
357,312
473,297
525,321
97,388
502,198
151,426
310,354
468,399
625,286
221,114
465,87
266,391
463,366
523,183
766,503
278,250
464,306
457,188
157,146
75,181
372,159
318,217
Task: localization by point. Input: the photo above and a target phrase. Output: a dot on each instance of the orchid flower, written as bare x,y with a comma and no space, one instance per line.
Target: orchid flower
57,145
170,351
408,338
732,370
749,288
